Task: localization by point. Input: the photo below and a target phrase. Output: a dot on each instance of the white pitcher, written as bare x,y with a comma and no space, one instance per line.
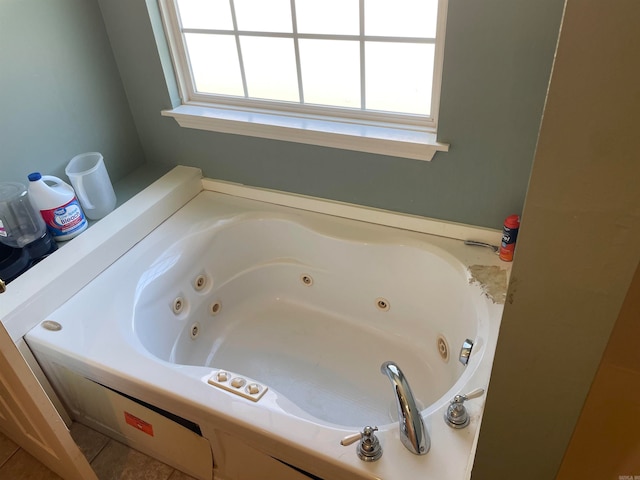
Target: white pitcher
91,182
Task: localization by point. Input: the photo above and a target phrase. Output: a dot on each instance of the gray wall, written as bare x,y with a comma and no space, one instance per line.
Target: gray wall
62,94
60,91
498,60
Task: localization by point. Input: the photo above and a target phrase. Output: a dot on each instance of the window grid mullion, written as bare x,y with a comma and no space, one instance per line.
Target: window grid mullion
296,46
243,75
312,36
363,85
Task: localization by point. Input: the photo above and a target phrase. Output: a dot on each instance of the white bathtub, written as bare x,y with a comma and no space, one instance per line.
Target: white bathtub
303,305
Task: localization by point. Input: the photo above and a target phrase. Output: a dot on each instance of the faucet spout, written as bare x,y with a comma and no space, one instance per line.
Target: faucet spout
413,433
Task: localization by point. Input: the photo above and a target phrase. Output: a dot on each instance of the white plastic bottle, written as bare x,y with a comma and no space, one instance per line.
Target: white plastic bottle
58,206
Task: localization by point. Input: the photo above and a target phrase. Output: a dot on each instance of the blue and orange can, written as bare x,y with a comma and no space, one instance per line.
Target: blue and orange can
509,236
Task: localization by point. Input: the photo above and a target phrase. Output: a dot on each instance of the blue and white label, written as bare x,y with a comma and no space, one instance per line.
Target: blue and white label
65,219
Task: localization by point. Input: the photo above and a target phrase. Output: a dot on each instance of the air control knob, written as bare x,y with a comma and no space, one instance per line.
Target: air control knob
253,388
238,382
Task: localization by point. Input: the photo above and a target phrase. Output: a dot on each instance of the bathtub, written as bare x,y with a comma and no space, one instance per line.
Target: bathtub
261,329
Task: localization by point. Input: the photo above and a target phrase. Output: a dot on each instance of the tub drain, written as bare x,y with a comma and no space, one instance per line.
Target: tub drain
443,348
306,279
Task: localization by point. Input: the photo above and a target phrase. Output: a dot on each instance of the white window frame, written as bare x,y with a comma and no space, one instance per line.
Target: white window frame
402,136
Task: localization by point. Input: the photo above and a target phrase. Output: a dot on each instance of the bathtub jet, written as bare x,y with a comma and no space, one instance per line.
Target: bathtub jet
413,433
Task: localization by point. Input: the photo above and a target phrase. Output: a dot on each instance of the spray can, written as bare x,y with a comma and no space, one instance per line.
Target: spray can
58,206
509,236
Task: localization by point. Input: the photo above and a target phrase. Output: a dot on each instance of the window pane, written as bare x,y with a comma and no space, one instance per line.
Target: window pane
399,77
212,14
328,16
402,18
264,16
214,62
331,72
270,68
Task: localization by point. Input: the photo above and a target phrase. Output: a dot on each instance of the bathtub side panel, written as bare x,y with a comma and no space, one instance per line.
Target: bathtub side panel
132,423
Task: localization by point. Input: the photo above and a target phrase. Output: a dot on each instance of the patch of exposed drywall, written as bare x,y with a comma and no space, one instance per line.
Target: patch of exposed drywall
492,279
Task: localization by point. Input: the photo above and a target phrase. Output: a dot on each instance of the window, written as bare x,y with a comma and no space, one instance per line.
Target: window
356,74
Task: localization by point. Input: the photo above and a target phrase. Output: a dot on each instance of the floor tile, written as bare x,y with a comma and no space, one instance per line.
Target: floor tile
119,462
89,441
22,466
7,448
178,475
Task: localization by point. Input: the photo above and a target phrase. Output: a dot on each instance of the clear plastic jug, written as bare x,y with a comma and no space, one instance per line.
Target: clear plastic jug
20,223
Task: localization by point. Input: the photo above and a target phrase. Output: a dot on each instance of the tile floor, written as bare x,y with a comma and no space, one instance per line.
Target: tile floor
110,460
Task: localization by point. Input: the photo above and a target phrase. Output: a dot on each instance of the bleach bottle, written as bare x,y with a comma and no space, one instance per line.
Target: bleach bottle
58,206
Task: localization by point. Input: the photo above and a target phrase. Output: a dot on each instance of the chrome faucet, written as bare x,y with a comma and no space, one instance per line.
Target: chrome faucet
413,433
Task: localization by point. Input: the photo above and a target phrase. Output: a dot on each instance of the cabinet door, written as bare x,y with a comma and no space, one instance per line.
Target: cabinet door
29,418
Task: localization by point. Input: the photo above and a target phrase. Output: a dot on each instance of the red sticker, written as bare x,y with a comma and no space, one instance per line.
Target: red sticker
138,423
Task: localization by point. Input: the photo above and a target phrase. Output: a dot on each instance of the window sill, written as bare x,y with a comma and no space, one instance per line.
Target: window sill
336,133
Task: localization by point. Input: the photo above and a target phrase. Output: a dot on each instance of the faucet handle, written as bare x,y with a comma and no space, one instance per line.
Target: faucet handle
349,439
456,415
468,396
369,449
